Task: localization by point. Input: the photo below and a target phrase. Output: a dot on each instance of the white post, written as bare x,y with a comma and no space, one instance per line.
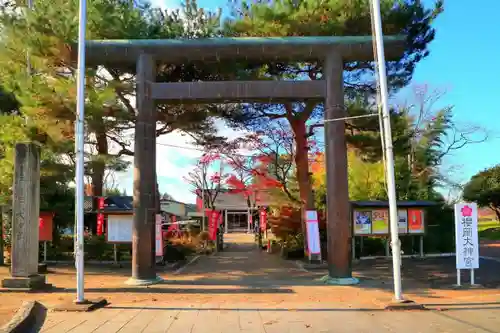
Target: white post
115,254
458,278
472,277
391,188
45,251
79,149
225,221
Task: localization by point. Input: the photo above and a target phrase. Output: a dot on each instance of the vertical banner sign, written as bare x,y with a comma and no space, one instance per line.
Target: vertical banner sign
466,236
263,220
313,243
158,237
213,224
402,221
380,222
100,216
416,221
362,222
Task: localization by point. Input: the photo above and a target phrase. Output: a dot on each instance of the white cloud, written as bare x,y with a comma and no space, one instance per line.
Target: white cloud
166,4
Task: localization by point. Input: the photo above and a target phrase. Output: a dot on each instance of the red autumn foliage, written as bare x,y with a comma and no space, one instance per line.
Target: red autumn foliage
288,222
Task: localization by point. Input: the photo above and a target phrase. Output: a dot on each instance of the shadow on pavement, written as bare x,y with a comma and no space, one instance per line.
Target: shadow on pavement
159,290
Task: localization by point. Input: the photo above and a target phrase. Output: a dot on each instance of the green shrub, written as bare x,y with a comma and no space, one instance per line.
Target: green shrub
440,235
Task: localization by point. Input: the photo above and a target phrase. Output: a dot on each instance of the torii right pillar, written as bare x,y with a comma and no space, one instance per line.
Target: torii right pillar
338,222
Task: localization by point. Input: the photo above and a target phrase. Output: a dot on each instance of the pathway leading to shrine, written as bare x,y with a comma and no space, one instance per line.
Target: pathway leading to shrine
245,290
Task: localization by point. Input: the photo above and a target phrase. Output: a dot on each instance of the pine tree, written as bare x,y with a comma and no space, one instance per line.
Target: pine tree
331,18
47,96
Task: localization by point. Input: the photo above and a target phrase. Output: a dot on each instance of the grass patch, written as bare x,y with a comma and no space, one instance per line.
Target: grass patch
485,225
490,234
489,228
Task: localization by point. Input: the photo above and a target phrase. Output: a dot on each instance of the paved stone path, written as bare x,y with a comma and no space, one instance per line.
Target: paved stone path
243,290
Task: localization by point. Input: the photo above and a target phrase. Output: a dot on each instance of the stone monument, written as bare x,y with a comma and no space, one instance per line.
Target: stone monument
25,214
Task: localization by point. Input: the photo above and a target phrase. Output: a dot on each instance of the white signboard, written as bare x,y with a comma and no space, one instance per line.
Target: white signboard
466,236
313,242
158,236
120,228
402,221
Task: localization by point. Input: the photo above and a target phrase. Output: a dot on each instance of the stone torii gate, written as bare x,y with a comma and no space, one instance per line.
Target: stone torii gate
333,51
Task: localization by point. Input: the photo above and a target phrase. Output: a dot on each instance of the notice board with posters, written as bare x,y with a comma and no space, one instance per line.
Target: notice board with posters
376,221
120,228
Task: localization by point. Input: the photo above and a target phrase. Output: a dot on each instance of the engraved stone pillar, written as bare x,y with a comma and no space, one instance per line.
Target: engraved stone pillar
25,214
145,205
337,199
26,210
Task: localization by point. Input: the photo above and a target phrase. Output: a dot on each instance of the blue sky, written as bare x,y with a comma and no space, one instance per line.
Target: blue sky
466,42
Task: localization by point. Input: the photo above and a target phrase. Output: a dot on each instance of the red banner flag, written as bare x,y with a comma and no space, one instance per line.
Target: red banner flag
100,216
213,224
263,220
45,226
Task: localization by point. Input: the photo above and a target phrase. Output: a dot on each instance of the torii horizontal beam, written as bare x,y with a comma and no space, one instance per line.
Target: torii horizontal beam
176,51
238,91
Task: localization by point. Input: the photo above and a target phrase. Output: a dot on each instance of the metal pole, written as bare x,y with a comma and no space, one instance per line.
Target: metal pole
45,251
472,278
79,149
421,246
391,188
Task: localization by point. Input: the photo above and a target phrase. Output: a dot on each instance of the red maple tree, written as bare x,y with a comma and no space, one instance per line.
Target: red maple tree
273,160
206,182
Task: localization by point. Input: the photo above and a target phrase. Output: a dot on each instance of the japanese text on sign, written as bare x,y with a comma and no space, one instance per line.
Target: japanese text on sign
466,236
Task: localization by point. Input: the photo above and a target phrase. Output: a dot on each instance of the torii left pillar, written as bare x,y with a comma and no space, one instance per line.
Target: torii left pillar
143,232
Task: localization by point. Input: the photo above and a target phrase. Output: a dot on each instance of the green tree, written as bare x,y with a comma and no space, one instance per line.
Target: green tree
330,18
366,179
484,189
47,97
424,136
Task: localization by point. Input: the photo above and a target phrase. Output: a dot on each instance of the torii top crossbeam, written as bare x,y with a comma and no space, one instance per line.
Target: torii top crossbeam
351,48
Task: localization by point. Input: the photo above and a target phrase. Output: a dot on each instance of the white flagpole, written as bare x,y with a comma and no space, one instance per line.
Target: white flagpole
389,155
79,149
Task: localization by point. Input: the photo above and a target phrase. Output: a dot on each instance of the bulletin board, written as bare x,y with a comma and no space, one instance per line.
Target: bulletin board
375,222
119,228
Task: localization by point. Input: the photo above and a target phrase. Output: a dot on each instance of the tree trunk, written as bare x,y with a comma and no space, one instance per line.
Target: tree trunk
497,213
303,176
99,166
